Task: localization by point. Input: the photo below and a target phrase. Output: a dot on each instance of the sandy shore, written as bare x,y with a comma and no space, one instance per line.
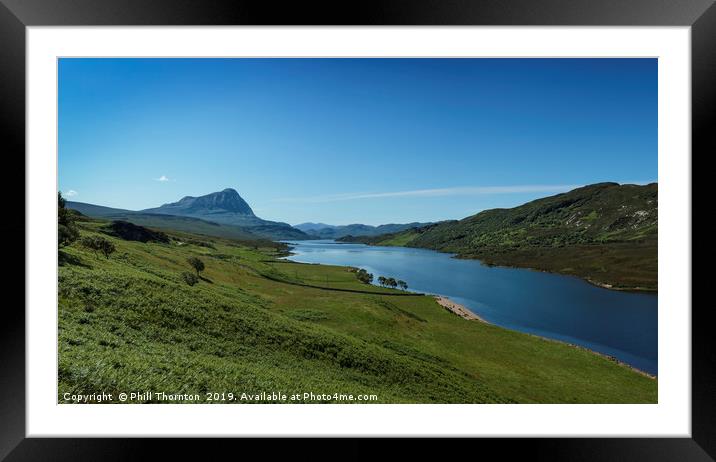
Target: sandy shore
456,308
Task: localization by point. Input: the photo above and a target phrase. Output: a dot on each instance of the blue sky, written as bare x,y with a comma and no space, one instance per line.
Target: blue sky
353,140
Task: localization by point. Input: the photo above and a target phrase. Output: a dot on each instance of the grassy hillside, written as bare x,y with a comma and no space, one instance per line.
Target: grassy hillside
185,224
260,229
606,233
172,222
254,323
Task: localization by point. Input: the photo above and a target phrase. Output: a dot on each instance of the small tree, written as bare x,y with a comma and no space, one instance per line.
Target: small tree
88,243
98,244
364,276
67,232
106,247
391,282
66,235
402,284
189,278
197,264
382,280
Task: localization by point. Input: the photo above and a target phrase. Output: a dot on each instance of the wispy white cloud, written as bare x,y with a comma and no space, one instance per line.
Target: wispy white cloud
436,192
71,193
162,179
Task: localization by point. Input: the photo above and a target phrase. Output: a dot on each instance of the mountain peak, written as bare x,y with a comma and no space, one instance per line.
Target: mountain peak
224,201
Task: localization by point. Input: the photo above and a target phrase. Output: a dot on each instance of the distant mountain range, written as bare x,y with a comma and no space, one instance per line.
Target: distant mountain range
307,227
223,213
606,233
324,231
226,214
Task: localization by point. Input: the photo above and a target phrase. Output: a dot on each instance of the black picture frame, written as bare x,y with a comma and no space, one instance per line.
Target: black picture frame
16,15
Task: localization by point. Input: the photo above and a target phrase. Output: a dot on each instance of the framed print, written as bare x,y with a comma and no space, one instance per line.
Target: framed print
416,220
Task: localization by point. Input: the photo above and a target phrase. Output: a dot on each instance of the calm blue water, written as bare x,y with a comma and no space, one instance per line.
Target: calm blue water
620,324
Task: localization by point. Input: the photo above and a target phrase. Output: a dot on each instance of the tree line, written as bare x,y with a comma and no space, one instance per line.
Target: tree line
367,278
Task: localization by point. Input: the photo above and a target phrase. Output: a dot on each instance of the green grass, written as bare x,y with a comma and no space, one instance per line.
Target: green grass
253,324
399,240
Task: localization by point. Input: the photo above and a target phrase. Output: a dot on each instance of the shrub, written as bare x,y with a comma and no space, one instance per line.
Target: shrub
66,234
98,245
189,278
197,264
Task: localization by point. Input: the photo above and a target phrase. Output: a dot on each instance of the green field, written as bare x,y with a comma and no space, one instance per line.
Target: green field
256,324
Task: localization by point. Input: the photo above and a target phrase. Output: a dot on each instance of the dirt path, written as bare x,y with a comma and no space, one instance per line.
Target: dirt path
457,308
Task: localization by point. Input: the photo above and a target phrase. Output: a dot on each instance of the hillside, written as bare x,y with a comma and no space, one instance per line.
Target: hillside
324,231
227,207
254,323
309,226
606,233
221,214
165,222
92,210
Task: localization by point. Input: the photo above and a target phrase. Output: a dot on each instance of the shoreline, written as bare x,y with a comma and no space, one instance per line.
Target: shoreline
602,285
465,313
603,355
458,309
587,279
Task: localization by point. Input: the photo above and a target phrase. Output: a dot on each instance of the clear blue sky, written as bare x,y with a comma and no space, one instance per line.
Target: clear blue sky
353,140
